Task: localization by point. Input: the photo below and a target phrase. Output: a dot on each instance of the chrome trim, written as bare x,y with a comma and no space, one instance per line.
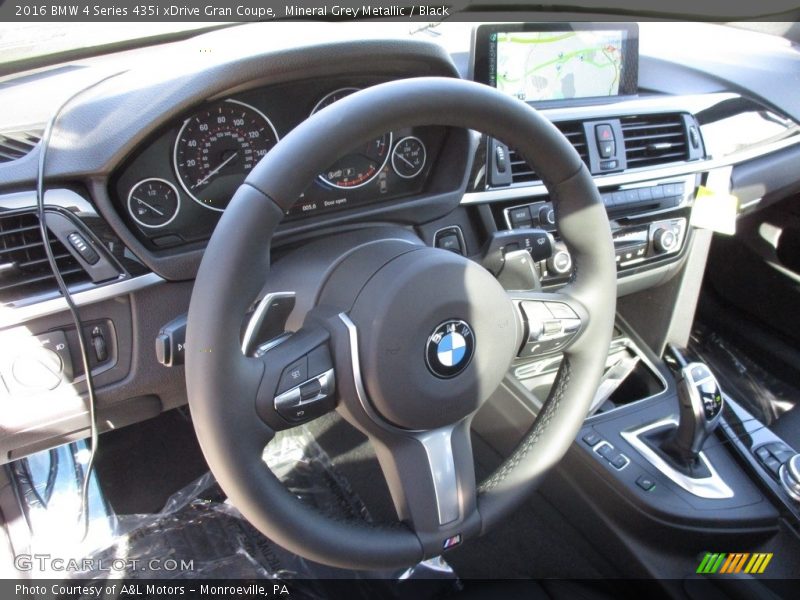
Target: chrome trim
168,183
259,313
458,232
424,156
327,382
789,474
689,188
352,335
439,450
640,175
692,103
750,203
437,443
269,345
712,487
10,315
178,140
59,197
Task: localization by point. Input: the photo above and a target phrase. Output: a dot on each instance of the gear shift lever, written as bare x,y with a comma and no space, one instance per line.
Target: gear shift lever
701,402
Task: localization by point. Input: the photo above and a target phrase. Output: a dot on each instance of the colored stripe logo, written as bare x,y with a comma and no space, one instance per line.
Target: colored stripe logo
735,562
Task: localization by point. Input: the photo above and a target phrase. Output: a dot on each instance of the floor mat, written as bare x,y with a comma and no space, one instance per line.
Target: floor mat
199,534
140,466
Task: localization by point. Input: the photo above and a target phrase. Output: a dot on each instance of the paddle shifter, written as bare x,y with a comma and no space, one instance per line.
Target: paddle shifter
700,401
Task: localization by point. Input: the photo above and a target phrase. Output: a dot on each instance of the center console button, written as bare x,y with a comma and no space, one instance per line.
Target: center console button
592,438
646,483
619,461
560,263
546,215
520,217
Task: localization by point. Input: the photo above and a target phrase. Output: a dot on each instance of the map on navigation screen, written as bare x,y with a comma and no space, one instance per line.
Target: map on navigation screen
558,65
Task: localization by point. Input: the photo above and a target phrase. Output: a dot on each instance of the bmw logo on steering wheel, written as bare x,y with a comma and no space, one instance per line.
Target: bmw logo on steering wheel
449,349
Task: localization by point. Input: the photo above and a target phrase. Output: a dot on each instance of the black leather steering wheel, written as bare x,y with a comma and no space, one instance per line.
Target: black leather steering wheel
415,338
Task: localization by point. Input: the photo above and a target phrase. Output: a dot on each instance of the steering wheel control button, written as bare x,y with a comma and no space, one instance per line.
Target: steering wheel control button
450,348
310,390
551,326
309,400
293,375
319,361
560,310
288,400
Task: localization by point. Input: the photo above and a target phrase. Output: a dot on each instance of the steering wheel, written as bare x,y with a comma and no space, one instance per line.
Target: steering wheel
405,341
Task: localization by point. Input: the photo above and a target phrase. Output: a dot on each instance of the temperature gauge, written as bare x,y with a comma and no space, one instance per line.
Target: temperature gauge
153,202
408,157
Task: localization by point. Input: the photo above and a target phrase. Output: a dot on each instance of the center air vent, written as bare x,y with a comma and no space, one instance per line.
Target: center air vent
16,144
24,269
654,140
521,172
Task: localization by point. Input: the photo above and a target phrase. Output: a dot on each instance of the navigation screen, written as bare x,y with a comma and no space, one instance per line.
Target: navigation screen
540,64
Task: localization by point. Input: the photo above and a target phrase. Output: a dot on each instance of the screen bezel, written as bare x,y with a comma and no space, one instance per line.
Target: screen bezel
629,81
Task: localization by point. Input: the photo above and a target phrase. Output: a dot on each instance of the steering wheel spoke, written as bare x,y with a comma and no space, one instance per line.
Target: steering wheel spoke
299,380
431,478
551,322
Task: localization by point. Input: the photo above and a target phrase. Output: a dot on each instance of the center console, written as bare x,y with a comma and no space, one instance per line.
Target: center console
664,457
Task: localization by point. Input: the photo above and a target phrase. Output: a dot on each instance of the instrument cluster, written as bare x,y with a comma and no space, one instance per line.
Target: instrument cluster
174,188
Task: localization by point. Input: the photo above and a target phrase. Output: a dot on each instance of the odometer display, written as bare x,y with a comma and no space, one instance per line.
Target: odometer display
217,147
361,165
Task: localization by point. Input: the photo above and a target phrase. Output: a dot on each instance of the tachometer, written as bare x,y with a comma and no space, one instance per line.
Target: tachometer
361,165
217,147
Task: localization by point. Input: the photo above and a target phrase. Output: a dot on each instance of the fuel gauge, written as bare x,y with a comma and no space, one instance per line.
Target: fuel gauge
153,202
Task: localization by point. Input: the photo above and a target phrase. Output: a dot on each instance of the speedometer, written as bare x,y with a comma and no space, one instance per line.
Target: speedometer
361,165
217,147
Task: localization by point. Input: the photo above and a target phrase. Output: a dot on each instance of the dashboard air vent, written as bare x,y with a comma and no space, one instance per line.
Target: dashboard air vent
16,144
521,172
654,139
24,270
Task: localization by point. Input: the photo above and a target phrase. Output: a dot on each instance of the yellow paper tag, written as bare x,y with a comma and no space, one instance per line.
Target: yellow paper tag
715,211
